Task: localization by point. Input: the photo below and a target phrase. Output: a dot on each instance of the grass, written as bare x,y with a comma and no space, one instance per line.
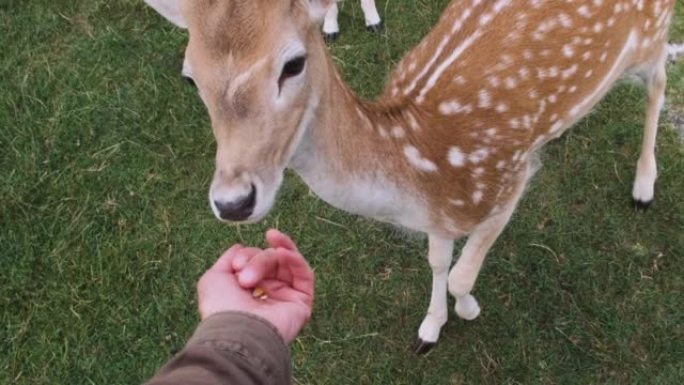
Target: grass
104,226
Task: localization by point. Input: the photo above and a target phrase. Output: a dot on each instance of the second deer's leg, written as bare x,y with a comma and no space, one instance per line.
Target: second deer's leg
440,252
646,166
331,29
370,13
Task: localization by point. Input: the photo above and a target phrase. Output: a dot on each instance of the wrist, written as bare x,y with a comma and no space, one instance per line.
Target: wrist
215,326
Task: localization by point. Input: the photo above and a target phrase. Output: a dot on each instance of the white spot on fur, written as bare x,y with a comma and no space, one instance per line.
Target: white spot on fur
383,132
457,202
413,122
478,155
510,82
494,81
398,132
456,157
454,107
565,20
584,11
485,99
477,196
416,160
490,131
568,51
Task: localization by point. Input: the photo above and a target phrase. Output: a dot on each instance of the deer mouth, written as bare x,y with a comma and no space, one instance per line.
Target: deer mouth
247,200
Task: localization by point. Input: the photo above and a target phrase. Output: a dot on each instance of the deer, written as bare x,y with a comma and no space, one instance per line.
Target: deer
449,146
331,28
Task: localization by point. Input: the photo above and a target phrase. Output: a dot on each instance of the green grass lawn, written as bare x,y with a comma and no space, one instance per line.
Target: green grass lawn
105,161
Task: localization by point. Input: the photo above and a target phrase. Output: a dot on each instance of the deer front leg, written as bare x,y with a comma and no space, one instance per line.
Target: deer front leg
439,256
464,273
646,167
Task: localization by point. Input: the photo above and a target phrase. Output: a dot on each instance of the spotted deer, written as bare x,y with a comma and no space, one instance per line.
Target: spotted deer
331,29
448,148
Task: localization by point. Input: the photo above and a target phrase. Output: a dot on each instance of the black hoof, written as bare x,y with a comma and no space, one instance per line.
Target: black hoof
375,28
422,347
641,205
331,37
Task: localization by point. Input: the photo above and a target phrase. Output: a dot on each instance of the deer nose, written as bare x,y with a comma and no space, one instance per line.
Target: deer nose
237,210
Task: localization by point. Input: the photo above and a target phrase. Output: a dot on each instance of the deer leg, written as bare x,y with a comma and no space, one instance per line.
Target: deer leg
370,13
440,252
331,29
646,171
463,275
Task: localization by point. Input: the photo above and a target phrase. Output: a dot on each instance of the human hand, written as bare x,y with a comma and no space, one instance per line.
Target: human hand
281,271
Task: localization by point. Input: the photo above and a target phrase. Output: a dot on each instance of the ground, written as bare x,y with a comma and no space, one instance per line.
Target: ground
106,157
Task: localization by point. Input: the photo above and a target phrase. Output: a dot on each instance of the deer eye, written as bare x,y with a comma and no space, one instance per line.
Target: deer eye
292,68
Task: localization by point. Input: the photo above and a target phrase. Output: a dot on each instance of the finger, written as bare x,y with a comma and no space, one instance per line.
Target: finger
280,291
302,275
260,266
224,263
277,239
243,256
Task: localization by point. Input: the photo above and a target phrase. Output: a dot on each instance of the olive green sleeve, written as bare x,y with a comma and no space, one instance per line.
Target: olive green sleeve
230,348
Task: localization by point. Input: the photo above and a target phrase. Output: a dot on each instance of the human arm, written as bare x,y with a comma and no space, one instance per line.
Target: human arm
242,339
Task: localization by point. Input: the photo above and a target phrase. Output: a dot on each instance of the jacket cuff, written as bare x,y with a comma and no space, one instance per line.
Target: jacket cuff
248,336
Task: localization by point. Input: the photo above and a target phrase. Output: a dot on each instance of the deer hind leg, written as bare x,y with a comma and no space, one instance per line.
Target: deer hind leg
646,171
440,252
370,13
331,29
464,273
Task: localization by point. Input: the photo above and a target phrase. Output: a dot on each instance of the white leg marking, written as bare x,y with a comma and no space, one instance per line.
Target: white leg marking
439,256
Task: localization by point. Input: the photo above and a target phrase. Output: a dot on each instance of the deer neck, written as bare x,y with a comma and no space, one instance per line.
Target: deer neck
345,156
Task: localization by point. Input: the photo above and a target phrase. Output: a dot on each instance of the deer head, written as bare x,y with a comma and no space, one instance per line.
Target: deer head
255,64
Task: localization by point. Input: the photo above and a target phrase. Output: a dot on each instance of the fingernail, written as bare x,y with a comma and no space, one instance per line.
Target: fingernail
246,277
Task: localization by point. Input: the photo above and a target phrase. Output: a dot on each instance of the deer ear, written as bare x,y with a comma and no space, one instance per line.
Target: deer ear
318,9
170,9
